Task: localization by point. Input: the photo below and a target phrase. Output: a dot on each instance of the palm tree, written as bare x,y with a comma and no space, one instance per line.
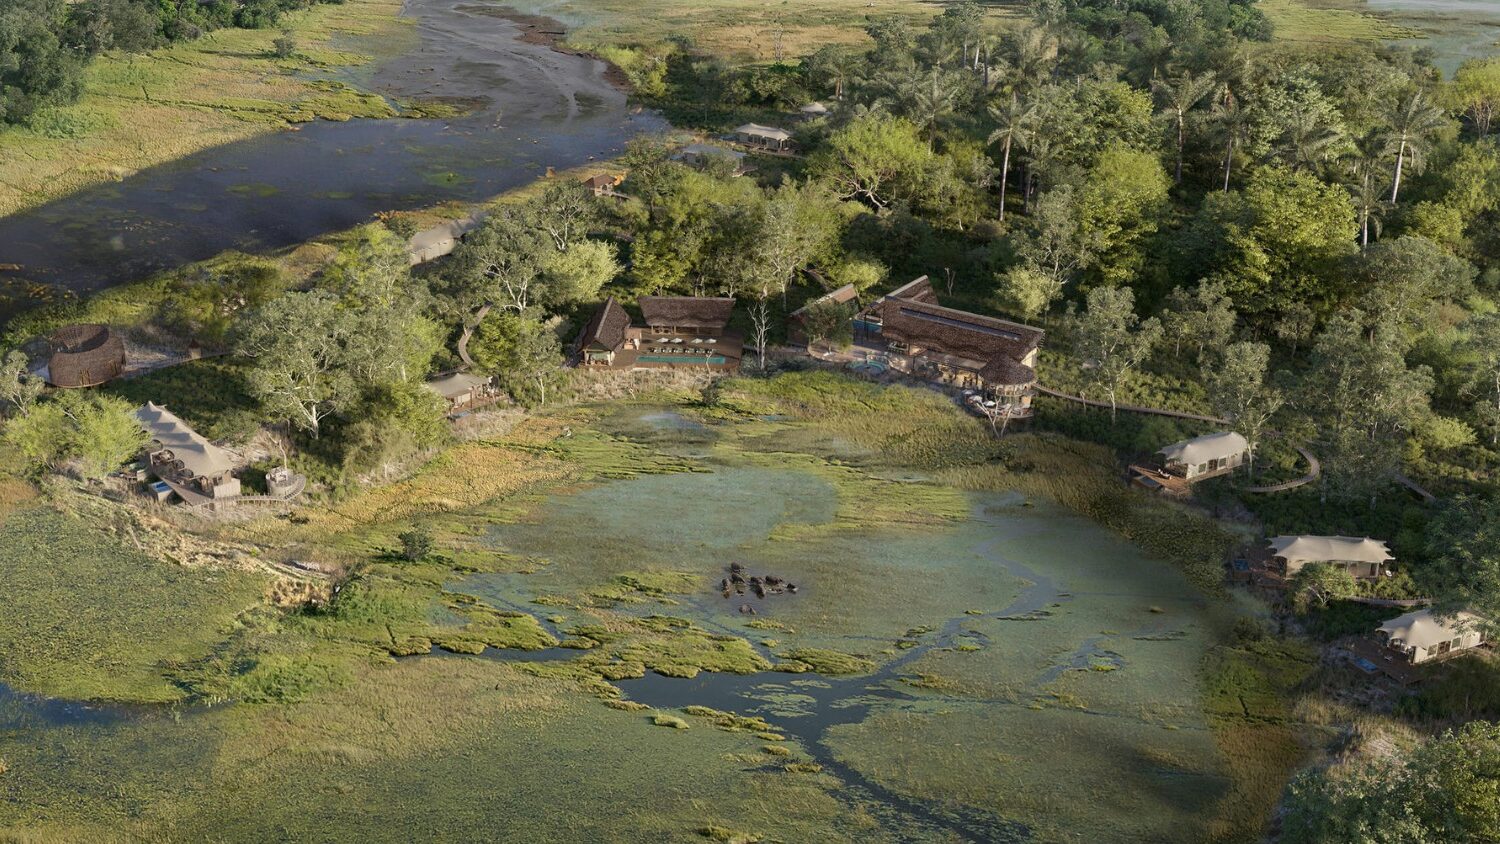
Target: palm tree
1309,141
1034,57
1180,95
1042,150
1409,131
1235,129
1013,118
1366,165
987,47
931,102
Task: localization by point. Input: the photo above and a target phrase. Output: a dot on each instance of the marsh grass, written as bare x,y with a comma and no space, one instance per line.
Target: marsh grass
85,616
1308,22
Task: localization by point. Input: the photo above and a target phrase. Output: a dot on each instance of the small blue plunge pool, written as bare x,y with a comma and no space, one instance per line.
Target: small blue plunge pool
714,360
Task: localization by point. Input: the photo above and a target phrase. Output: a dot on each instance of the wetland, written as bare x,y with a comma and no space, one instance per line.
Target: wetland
965,659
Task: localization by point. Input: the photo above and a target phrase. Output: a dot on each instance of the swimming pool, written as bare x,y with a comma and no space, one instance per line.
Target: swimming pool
715,360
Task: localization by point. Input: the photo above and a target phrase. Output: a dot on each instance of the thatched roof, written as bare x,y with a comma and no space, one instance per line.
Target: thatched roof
1205,448
842,295
84,356
1000,344
686,311
918,289
1422,629
198,456
1330,549
606,330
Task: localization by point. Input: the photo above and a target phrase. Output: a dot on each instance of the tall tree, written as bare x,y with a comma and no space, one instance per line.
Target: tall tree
1013,118
1235,129
930,102
1366,185
1203,317
499,265
1052,243
1410,127
1482,376
1179,95
1120,206
522,353
1403,281
1239,389
1365,401
299,363
19,389
1476,92
1112,340
875,158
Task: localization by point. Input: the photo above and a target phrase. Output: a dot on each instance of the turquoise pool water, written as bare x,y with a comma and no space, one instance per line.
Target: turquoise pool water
710,359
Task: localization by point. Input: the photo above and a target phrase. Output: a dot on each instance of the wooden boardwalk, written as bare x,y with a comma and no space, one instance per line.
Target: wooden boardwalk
1314,468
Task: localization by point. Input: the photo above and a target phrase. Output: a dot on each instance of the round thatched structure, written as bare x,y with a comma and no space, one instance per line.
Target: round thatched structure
84,356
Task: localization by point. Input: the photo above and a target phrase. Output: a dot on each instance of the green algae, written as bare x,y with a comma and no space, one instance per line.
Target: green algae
829,662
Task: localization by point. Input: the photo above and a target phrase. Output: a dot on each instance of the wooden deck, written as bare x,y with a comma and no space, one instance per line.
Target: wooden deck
1156,480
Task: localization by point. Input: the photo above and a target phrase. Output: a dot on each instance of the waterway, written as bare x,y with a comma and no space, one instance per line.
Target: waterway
536,108
1455,30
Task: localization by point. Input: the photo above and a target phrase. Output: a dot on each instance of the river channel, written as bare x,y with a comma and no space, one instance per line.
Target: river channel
537,108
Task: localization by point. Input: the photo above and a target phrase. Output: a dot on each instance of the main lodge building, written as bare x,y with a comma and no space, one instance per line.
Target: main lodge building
679,331
948,346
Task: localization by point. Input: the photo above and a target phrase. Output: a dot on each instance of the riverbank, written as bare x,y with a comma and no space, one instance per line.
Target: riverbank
527,109
141,110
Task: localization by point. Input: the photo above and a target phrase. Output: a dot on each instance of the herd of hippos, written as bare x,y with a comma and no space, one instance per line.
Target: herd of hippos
736,584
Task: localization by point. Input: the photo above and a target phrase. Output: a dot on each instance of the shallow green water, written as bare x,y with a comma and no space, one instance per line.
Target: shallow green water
1061,660
1030,676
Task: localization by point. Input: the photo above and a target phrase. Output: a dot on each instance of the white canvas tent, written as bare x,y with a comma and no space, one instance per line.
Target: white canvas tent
1206,455
1422,636
1360,556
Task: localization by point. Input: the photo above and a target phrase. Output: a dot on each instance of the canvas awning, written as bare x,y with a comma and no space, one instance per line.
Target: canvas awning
755,130
1334,549
199,456
456,385
1423,629
701,150
1206,448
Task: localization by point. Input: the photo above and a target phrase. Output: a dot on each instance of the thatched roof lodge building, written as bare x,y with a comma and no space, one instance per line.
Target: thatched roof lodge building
604,184
191,466
953,347
84,356
705,315
1364,558
1422,636
679,331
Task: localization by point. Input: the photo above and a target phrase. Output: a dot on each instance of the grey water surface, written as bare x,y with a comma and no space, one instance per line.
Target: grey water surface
536,108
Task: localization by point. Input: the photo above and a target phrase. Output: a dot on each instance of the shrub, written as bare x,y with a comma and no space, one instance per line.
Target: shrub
416,544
